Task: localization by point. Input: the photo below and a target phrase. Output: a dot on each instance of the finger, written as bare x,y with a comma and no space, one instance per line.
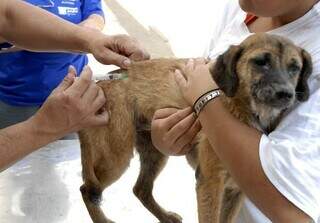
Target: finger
117,59
138,53
183,151
99,101
181,127
175,118
82,83
200,61
190,65
180,79
100,119
91,93
164,113
66,82
72,70
133,49
186,141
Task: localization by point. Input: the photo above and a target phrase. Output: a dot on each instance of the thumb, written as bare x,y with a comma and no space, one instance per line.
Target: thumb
68,79
118,60
101,119
72,70
180,80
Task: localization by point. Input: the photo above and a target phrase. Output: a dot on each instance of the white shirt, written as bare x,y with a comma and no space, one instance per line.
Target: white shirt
290,155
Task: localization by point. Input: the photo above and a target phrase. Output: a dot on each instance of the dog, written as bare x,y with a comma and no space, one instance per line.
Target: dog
261,79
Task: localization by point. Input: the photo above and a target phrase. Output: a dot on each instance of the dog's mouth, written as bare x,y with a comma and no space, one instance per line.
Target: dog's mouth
274,95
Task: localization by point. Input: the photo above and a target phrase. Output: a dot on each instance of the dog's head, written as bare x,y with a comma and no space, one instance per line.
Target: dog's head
269,70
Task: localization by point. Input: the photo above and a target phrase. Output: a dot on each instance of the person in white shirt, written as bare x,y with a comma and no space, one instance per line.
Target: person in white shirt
282,178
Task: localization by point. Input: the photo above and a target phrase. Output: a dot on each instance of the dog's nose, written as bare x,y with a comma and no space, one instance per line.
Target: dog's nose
284,95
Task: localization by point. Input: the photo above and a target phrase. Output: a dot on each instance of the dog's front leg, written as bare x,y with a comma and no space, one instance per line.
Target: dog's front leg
232,202
210,185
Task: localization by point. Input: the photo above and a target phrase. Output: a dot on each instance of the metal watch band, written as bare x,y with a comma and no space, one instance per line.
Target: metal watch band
204,99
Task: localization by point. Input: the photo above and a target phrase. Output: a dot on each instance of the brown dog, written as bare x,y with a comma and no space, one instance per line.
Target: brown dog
260,78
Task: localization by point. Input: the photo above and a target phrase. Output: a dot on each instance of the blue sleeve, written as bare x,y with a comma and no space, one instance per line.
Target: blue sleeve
90,7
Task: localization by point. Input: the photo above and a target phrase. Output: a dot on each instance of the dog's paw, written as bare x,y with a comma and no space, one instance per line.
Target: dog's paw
172,217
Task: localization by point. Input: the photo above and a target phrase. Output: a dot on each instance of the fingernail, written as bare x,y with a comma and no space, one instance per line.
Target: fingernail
71,68
126,62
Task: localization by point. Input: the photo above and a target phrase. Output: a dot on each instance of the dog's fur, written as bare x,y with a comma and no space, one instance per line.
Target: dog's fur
260,78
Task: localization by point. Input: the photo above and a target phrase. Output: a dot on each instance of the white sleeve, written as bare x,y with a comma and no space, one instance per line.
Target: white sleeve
224,16
290,156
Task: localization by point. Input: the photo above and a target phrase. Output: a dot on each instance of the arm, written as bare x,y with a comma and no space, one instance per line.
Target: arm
73,105
241,158
94,21
19,140
20,21
239,152
26,26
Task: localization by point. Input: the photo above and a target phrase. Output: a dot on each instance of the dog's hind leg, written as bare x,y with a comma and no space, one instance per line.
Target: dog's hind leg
103,162
106,170
152,162
91,195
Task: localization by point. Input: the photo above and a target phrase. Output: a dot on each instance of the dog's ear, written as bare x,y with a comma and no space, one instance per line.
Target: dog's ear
302,89
224,70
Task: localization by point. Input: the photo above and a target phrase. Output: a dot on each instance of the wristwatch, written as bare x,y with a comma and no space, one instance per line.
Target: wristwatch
203,100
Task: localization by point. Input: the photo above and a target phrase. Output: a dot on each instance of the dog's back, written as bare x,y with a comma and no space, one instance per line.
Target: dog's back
148,91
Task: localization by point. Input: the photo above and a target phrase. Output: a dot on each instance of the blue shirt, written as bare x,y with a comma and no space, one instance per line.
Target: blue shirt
27,78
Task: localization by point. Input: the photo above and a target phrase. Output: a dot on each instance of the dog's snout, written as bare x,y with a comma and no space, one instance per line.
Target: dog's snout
284,95
275,95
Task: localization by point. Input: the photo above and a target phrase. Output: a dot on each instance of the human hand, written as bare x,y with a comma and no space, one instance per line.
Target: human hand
173,130
195,80
73,105
118,50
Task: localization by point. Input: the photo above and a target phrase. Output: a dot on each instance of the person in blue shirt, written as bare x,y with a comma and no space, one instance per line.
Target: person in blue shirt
27,78
75,103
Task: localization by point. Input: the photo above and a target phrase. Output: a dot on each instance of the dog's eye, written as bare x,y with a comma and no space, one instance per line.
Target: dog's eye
262,61
293,69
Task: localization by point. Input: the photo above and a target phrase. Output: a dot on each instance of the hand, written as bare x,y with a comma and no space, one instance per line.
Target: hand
173,130
118,50
194,80
73,105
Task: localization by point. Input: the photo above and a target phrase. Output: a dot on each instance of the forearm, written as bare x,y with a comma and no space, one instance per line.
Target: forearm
94,21
21,139
237,145
35,29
